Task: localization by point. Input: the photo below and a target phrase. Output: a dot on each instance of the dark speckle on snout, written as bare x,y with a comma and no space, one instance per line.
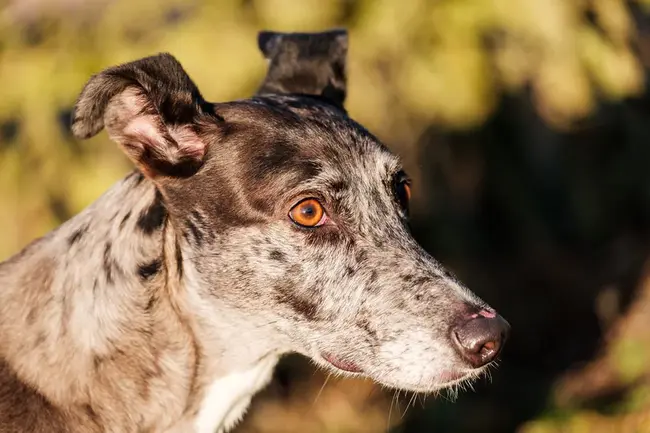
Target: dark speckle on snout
278,256
300,304
364,324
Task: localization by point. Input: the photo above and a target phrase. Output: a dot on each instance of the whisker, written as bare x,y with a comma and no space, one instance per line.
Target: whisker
320,391
390,412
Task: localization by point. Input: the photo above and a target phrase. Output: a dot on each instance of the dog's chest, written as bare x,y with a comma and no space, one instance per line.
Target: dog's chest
227,399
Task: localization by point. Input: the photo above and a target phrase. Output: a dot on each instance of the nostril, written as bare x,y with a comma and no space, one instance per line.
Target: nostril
489,346
480,339
489,350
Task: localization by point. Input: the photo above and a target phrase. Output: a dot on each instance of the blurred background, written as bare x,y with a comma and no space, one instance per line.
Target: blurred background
524,123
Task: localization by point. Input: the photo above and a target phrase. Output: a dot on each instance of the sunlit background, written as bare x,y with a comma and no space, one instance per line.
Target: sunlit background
524,123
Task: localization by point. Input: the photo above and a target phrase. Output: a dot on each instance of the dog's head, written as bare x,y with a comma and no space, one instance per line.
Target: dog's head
295,216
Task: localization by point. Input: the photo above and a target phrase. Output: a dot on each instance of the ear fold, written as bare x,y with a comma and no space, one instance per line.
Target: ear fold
152,109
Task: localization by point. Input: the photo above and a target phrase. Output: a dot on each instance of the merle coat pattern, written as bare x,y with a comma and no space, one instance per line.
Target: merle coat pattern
164,306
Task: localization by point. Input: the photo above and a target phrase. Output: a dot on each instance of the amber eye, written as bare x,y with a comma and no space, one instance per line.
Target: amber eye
308,213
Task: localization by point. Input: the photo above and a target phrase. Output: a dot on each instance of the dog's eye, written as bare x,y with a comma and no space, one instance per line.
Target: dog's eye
403,193
308,213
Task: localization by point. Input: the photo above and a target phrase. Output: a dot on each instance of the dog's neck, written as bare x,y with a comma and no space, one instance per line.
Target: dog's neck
99,318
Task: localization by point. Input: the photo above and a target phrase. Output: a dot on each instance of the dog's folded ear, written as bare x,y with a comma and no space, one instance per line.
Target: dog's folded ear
306,63
152,109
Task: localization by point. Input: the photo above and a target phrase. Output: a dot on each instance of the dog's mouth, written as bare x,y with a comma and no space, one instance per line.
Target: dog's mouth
444,379
348,366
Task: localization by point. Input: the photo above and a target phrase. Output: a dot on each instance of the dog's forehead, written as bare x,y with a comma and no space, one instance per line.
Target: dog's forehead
346,154
289,133
363,161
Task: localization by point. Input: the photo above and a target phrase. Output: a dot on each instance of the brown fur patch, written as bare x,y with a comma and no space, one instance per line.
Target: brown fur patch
23,409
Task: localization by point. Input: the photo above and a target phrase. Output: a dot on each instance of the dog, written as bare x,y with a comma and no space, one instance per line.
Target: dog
249,229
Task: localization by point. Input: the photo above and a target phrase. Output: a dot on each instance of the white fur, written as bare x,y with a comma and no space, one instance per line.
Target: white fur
228,398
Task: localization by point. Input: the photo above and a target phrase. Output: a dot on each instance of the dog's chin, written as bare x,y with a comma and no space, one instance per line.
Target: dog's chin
437,384
443,380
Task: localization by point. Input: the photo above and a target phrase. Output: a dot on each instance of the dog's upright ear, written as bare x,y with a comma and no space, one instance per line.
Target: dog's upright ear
152,109
269,42
306,63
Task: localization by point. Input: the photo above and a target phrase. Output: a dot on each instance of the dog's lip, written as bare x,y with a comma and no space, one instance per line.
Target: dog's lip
348,366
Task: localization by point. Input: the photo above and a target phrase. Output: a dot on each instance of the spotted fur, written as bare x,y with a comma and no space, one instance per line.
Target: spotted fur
140,313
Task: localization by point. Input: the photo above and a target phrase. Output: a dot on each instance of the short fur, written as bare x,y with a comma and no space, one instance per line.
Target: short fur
188,278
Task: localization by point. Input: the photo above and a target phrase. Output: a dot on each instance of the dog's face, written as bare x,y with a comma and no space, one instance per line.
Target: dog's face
295,215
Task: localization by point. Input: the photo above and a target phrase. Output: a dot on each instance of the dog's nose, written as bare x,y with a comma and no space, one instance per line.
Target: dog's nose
479,339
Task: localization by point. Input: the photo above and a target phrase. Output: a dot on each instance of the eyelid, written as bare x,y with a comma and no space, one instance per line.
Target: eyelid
303,195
